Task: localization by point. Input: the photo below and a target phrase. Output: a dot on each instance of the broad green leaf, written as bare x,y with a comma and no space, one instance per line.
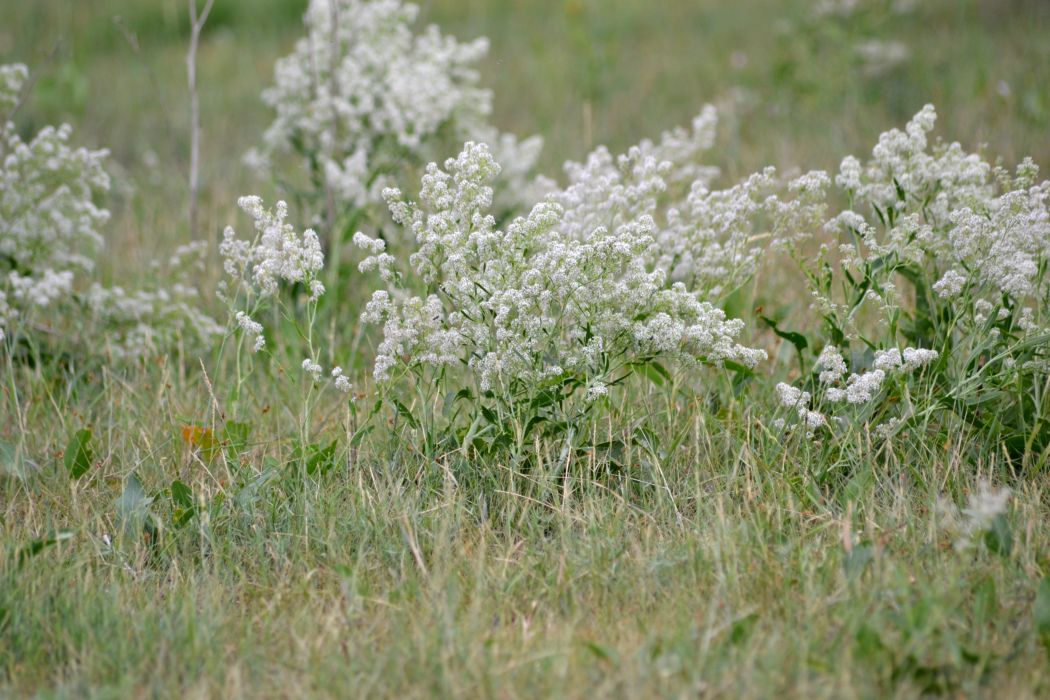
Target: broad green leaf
739,369
79,455
133,506
236,435
741,629
183,504
403,411
1041,613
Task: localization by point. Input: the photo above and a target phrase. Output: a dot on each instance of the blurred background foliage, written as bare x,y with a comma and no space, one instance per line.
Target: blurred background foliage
797,89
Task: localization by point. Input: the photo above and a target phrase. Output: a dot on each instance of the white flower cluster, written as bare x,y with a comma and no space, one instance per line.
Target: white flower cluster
846,8
140,323
257,268
48,218
857,389
13,77
540,299
362,94
984,506
974,226
1004,242
864,387
708,239
50,234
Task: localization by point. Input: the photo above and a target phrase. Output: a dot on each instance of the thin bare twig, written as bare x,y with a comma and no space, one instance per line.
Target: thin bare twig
197,21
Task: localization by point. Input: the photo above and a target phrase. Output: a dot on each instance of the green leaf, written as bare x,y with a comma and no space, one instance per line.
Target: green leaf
739,369
998,537
797,339
12,462
184,505
533,422
79,455
357,437
652,370
133,506
236,435
35,547
857,560
320,459
181,494
403,411
741,629
601,652
1041,613
869,646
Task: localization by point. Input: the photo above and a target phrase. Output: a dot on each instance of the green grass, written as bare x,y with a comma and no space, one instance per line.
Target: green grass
727,566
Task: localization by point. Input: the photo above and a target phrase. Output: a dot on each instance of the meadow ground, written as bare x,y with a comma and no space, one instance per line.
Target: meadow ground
716,564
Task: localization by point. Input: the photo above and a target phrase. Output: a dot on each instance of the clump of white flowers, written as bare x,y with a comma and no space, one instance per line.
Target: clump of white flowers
48,217
364,97
950,219
841,393
278,254
709,239
939,250
266,272
256,268
554,294
51,235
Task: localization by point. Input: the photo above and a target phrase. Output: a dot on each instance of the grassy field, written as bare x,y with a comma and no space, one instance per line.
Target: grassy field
722,565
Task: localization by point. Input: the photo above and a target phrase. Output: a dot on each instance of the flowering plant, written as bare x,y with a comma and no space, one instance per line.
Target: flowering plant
540,318
363,100
50,234
277,258
942,251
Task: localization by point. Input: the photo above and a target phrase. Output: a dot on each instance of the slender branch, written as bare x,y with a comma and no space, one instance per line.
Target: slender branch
197,22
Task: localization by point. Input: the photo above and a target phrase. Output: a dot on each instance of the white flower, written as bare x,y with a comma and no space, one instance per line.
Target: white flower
313,369
887,360
795,398
341,381
49,238
596,390
950,284
860,388
12,79
279,253
832,364
791,396
985,506
252,328
917,358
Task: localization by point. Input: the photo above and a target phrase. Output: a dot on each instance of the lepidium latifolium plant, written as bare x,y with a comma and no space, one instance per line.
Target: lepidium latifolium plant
272,288
509,336
51,222
365,101
931,289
